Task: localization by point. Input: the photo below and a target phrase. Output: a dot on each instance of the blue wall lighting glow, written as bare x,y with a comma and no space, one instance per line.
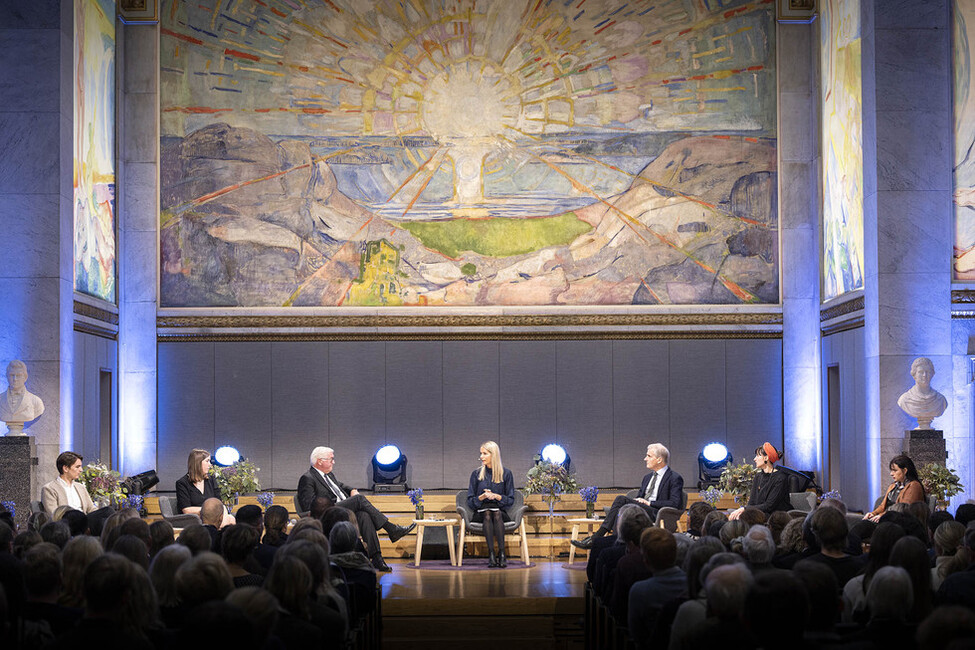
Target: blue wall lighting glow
388,455
554,454
715,452
226,456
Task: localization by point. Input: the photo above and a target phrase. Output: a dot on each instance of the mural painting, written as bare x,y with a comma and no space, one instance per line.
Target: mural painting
94,148
469,153
964,163
842,128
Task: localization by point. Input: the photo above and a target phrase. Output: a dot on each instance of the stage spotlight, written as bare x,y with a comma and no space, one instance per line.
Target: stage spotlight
140,483
389,470
710,463
226,456
555,454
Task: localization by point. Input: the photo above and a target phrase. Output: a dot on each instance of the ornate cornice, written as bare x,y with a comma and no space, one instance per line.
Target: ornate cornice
397,321
470,336
96,330
842,326
95,313
842,309
963,296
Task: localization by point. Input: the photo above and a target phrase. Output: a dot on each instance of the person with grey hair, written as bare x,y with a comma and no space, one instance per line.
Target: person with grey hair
726,587
890,598
630,568
610,550
319,481
662,487
758,547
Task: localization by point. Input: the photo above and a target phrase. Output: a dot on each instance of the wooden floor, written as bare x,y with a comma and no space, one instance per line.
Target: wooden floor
540,607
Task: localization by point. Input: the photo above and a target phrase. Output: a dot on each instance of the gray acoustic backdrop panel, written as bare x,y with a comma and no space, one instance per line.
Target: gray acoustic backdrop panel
242,395
641,406
91,354
528,402
356,406
471,403
186,407
697,400
752,417
585,408
299,408
414,408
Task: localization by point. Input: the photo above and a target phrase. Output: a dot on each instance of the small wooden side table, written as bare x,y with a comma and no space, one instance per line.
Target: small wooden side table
576,522
422,523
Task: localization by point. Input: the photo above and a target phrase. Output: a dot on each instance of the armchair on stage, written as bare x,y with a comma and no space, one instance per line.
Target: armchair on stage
167,508
515,527
667,517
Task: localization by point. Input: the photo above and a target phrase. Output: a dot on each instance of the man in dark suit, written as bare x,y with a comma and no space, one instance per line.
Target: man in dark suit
319,481
662,487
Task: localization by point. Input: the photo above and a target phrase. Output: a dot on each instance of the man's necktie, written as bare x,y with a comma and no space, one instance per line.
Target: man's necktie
652,484
335,488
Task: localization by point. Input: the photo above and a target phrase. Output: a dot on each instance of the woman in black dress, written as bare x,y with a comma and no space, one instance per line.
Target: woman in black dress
196,486
491,493
770,487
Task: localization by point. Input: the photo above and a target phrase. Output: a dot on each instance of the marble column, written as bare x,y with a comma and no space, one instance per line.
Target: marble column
138,198
798,220
36,283
907,213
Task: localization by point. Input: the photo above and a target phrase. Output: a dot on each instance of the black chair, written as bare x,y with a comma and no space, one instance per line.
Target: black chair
667,517
514,527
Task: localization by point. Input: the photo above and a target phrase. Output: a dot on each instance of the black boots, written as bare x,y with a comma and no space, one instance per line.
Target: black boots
502,560
492,560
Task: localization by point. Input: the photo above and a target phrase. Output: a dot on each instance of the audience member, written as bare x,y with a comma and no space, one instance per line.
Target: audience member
238,542
949,626
890,598
950,552
909,554
830,529
161,535
261,608
727,587
56,532
776,611
275,523
196,538
24,541
855,591
162,574
630,568
77,522
823,591
965,513
78,553
133,549
959,587
648,597
696,514
777,521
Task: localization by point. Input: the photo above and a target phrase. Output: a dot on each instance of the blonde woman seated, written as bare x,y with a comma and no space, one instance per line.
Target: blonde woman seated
490,494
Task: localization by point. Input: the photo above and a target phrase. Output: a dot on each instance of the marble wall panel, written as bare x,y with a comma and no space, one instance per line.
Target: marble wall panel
906,136
800,247
528,402
141,139
913,313
186,406
28,319
139,278
472,405
797,197
795,63
28,78
914,236
641,407
140,55
585,408
137,447
139,198
138,349
22,137
798,142
28,227
242,403
299,408
30,14
414,408
907,59
356,406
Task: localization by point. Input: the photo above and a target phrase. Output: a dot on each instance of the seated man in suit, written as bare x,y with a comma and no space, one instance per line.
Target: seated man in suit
662,487
319,481
66,489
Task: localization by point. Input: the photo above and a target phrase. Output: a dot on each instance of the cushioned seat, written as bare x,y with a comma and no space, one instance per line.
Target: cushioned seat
167,508
667,517
514,527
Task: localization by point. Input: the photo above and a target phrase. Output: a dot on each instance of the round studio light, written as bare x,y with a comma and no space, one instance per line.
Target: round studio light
715,452
226,456
388,455
554,454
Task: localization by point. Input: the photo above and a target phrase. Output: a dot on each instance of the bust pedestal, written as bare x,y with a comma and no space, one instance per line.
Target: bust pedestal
926,446
18,456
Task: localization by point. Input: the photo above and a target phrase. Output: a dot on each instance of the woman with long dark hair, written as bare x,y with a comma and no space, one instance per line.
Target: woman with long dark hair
490,494
906,487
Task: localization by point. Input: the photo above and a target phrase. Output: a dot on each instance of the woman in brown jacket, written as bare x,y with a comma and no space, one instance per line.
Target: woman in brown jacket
906,487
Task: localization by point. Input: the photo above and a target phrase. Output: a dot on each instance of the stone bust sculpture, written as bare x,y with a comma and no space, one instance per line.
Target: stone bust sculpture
922,401
17,404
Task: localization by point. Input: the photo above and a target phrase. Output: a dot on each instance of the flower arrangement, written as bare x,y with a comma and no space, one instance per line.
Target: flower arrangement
551,480
940,481
136,501
234,480
737,480
832,494
589,494
10,507
104,485
711,495
266,499
416,498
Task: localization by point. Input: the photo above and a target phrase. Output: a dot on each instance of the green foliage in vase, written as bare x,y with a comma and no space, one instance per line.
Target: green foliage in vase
737,480
940,481
102,483
549,479
239,478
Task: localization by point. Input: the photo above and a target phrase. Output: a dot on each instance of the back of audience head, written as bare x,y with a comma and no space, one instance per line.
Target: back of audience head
659,549
110,531
830,529
633,520
290,581
776,610
343,537
78,553
965,513
275,522
697,557
238,543
910,554
945,625
137,527
937,518
250,515
237,630
920,511
823,591
890,595
260,606
203,578
303,523
732,530
24,541
863,530
758,545
777,521
133,549
684,544
56,532
909,523
727,587
334,515
77,522
211,512
696,514
162,572
318,507
834,503
42,572
196,538
314,557
310,535
59,512
161,535
881,544
36,520
753,516
715,517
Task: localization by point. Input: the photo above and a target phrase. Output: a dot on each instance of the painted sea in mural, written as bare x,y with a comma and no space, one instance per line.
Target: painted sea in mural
94,148
964,164
468,153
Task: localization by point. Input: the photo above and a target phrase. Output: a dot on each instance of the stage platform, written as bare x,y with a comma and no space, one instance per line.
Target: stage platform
540,607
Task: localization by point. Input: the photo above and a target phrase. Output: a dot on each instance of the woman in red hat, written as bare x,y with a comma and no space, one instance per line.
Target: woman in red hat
770,487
